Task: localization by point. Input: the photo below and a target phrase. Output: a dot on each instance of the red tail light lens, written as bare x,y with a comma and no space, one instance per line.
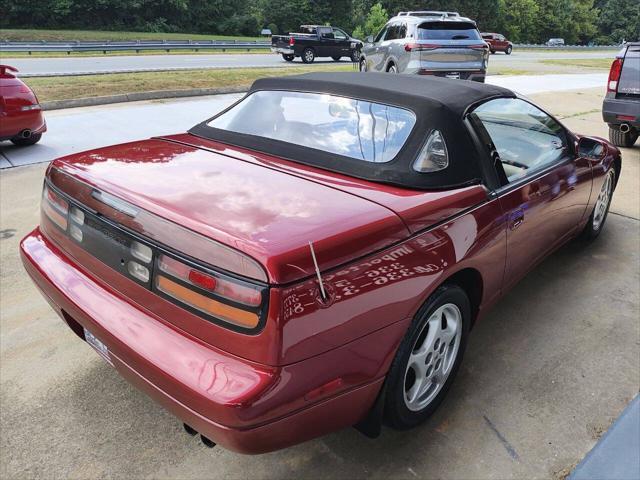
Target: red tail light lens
202,280
614,75
55,207
236,292
480,47
292,41
416,47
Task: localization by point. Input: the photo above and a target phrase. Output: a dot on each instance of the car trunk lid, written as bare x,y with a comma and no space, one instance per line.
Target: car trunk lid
267,214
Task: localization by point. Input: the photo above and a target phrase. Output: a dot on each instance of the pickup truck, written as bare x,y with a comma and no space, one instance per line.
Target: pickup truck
316,41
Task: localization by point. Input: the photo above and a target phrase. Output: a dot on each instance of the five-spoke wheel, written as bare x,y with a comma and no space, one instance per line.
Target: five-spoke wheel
428,358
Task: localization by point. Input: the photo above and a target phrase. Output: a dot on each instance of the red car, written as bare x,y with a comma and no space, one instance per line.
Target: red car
498,43
315,256
21,119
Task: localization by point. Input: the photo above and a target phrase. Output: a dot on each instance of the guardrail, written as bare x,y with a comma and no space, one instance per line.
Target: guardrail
567,47
195,45
131,46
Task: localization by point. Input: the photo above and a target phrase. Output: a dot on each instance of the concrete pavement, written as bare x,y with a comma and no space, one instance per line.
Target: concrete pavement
546,372
45,66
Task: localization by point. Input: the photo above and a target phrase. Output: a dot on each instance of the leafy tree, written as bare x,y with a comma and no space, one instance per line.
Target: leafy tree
376,19
519,19
619,20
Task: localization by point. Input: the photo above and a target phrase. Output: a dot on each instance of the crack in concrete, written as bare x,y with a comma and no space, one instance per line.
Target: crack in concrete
505,443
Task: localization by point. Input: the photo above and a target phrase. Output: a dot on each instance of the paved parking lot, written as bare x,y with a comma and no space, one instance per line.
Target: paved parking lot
546,372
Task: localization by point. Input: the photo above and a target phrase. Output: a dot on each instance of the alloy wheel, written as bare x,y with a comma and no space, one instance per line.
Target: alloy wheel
602,204
432,357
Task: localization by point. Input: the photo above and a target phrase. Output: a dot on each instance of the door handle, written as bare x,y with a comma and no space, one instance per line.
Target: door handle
517,219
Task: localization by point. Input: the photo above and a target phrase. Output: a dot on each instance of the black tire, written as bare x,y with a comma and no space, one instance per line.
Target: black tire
620,139
336,59
593,228
392,68
363,65
308,55
24,142
396,412
492,51
355,55
509,50
288,57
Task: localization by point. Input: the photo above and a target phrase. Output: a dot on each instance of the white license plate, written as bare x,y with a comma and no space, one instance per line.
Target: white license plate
97,345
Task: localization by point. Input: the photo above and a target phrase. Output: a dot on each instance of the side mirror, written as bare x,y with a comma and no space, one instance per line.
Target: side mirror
369,39
591,148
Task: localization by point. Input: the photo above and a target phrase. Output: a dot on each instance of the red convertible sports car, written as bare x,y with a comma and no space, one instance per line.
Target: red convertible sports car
21,119
315,256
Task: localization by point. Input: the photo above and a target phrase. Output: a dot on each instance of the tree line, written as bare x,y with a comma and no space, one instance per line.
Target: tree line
527,21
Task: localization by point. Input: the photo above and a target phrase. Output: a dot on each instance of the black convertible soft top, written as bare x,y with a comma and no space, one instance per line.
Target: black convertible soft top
438,103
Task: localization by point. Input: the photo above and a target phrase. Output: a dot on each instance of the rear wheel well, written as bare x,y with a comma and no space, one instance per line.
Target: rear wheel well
470,280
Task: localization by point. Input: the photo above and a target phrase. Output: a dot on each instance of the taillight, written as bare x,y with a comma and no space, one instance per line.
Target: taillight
480,47
292,41
236,292
55,207
416,47
216,296
614,75
210,294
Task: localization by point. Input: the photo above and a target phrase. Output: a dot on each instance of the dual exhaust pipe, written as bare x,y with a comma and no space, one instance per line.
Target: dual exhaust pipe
193,432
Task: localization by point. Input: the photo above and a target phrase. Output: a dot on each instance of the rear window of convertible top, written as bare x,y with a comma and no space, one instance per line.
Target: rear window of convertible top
359,129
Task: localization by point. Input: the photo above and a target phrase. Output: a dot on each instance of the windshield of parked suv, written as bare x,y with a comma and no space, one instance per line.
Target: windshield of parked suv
363,130
448,31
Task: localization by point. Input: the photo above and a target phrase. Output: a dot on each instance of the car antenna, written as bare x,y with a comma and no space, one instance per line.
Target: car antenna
323,294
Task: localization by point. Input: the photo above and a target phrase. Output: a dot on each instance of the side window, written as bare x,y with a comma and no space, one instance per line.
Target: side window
380,35
326,32
402,31
339,34
392,32
525,138
501,38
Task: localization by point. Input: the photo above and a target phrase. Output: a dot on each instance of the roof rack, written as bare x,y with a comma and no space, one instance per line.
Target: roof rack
428,13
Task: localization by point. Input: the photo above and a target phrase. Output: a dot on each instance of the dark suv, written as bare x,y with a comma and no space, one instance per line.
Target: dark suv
621,106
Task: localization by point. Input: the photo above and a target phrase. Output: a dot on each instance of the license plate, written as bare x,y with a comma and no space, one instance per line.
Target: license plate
455,75
97,345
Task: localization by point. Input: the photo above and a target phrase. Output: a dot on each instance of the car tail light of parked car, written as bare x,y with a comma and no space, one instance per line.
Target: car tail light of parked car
191,286
614,75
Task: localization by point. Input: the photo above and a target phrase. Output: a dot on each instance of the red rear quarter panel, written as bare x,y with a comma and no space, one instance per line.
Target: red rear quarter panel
14,94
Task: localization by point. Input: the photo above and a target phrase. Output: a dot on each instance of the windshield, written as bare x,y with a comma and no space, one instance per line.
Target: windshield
448,31
363,130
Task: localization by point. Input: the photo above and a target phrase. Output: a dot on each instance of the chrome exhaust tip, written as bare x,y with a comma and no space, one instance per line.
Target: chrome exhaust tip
190,430
624,128
207,443
25,133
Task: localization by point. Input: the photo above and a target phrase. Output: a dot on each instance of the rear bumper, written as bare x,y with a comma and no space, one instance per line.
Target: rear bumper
283,51
613,108
14,122
165,362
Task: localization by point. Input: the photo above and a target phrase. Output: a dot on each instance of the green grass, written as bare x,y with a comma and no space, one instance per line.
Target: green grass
597,63
64,35
86,86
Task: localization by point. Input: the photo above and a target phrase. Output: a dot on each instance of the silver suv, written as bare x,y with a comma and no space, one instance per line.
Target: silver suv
428,43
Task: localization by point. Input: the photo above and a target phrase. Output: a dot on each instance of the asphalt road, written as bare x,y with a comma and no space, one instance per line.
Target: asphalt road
546,372
42,66
77,129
